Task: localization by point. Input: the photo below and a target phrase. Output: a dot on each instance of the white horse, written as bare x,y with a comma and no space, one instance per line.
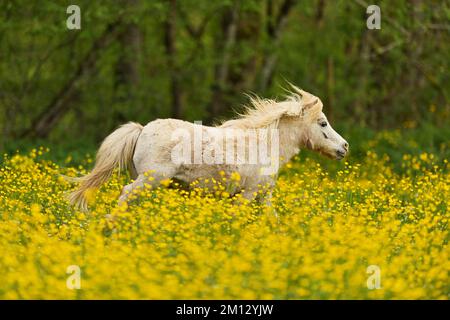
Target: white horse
297,121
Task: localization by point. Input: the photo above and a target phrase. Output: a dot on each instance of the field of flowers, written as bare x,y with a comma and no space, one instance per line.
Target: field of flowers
172,244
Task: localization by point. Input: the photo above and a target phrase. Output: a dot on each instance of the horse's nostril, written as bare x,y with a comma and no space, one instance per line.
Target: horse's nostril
345,145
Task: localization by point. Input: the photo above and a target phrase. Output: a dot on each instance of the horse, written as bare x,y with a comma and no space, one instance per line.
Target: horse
168,149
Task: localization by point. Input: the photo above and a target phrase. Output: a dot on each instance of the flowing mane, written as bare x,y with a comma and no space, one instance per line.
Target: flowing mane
266,113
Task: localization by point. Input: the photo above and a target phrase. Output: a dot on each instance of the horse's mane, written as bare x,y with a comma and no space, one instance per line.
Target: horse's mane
266,113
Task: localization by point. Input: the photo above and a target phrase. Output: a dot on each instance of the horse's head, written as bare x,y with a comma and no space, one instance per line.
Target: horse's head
318,135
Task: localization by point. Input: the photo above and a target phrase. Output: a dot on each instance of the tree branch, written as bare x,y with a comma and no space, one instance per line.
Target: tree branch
60,104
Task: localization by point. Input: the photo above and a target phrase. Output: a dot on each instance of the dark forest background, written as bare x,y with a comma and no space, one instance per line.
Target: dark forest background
137,60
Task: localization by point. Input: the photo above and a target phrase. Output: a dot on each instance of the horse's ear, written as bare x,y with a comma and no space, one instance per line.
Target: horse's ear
296,109
312,106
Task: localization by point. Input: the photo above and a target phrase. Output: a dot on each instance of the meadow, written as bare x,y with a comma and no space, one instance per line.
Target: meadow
334,221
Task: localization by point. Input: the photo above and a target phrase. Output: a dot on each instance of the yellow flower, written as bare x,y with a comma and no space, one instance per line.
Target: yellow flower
235,176
315,241
165,182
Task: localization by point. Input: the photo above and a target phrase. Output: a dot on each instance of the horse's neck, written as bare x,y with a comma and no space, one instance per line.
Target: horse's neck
290,138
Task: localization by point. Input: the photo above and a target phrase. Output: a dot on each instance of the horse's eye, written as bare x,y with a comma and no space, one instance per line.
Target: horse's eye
323,124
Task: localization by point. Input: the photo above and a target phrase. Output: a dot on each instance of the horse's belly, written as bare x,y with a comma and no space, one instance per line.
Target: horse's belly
194,172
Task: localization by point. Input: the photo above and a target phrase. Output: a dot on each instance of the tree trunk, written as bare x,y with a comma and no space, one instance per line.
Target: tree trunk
127,68
169,44
43,124
330,87
127,74
274,28
221,69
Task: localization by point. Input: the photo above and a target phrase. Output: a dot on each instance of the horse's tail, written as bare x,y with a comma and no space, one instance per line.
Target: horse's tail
116,151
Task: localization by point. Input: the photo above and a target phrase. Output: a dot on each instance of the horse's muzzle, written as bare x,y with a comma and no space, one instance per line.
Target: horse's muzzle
340,154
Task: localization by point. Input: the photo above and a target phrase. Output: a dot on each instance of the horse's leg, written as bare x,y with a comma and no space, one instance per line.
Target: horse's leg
153,179
129,188
265,197
125,194
249,193
267,200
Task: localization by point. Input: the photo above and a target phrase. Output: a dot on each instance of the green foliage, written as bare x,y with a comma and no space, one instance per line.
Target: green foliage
370,80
